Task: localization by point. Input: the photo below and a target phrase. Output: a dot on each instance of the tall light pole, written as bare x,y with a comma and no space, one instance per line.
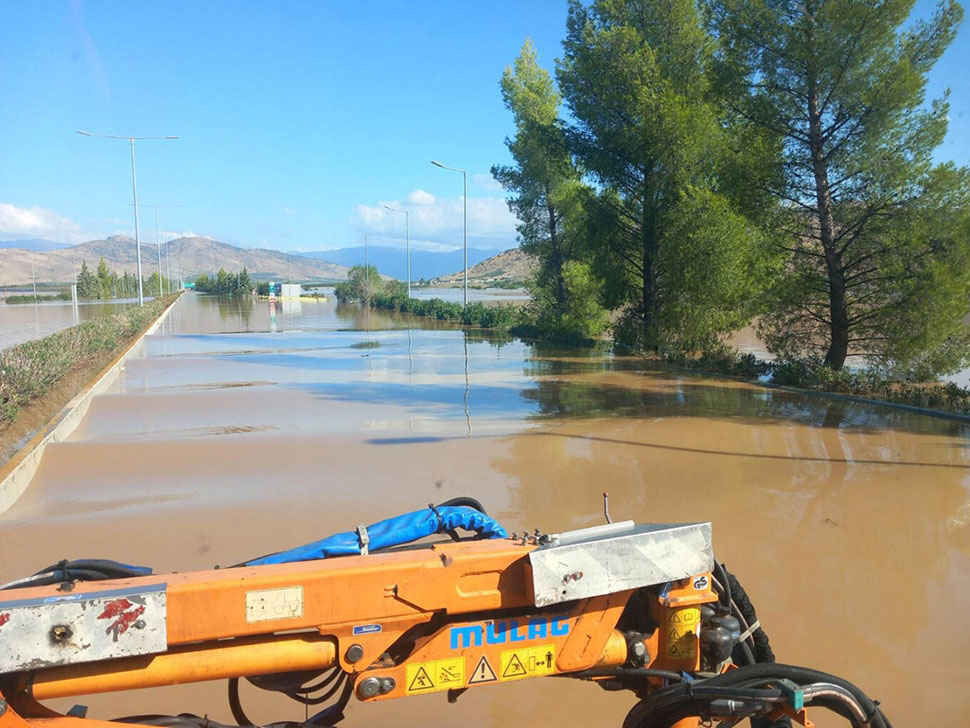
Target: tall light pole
159,248
464,177
134,193
407,234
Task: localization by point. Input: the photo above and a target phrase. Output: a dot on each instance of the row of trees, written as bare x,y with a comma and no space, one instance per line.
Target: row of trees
737,160
226,283
106,284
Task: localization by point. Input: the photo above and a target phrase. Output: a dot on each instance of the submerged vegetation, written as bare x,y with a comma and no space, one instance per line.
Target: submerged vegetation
227,284
29,370
39,298
693,166
106,284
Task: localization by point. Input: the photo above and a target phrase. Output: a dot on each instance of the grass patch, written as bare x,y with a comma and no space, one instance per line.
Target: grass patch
30,298
30,370
813,375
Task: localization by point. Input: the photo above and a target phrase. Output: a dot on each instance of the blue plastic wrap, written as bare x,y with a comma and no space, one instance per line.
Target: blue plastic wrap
392,532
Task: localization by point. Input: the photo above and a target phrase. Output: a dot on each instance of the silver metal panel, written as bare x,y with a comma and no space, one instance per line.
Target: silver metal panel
617,557
73,628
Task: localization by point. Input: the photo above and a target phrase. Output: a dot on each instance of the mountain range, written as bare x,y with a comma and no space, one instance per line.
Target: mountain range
193,255
509,266
37,244
425,264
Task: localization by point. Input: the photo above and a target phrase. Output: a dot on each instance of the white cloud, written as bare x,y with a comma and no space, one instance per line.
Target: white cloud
420,197
37,222
436,223
487,182
289,211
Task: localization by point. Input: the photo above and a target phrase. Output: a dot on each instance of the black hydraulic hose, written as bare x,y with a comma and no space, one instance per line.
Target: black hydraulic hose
463,500
320,699
762,647
683,700
640,672
801,676
79,570
235,704
314,687
726,597
333,714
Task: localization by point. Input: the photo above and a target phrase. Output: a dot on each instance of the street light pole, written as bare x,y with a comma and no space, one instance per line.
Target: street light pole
158,247
134,193
407,234
464,176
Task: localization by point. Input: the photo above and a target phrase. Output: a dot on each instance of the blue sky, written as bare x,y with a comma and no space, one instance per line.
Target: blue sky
297,120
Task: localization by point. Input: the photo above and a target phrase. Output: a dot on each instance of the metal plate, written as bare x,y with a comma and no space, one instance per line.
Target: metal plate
73,628
617,557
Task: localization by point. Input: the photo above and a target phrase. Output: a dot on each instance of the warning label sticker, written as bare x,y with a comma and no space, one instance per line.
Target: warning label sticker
527,662
680,633
483,673
428,677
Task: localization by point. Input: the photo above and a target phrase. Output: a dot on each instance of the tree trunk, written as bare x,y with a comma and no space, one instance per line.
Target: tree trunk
648,283
557,258
838,313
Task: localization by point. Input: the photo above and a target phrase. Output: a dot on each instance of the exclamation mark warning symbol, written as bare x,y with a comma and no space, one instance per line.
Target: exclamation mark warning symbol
483,673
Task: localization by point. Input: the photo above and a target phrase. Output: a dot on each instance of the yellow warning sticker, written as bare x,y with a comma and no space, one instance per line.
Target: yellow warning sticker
527,662
483,672
680,633
429,677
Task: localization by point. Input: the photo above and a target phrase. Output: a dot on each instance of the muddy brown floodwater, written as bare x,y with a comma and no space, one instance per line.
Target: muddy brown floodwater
232,435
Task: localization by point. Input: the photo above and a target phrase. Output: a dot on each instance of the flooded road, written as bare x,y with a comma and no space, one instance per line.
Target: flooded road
20,322
232,435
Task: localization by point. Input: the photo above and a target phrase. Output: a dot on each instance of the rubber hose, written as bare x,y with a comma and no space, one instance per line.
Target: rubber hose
762,647
463,500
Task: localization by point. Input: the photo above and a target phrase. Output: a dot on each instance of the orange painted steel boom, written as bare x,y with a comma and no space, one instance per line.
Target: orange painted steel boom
621,604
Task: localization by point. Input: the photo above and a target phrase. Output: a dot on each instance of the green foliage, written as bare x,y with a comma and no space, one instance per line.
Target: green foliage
581,316
875,235
363,284
634,79
30,298
545,188
228,284
87,284
29,370
503,316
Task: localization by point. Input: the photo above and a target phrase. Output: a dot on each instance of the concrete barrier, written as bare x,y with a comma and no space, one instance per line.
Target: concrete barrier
19,470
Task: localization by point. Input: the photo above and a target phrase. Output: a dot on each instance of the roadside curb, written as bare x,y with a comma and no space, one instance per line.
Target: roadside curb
17,473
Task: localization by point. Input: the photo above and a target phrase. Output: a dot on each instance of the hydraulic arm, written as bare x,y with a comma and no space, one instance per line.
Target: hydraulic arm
641,607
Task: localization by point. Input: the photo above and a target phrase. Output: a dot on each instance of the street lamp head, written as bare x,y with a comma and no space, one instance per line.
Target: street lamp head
388,207
438,164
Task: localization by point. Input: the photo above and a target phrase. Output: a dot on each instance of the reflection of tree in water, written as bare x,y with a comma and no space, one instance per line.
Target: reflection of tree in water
557,393
847,556
236,307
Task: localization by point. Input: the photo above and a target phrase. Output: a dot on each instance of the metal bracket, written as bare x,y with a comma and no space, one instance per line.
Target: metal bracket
364,539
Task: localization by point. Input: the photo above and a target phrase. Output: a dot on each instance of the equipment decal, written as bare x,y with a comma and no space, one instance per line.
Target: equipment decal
680,633
268,604
483,673
435,675
527,662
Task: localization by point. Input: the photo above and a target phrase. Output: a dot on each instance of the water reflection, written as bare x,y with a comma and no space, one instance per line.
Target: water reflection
848,523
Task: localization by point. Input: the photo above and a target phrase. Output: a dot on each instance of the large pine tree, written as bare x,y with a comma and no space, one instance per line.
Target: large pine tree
678,255
877,236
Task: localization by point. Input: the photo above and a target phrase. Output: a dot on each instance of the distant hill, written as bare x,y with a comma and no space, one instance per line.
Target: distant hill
34,244
194,256
510,266
393,261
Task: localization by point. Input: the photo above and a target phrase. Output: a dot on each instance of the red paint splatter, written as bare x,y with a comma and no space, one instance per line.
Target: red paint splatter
114,608
124,621
4,618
